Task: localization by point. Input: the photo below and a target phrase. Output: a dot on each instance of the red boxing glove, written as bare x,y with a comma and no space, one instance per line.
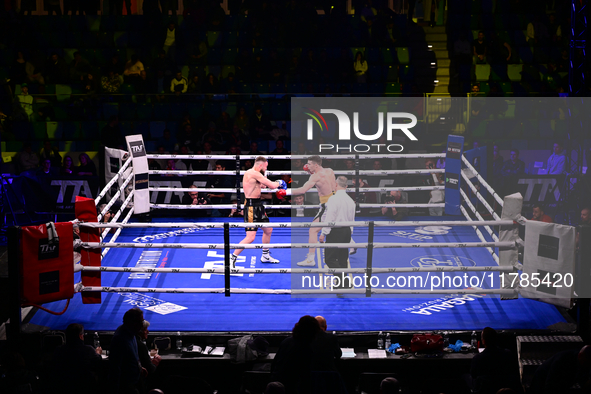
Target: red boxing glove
307,169
281,194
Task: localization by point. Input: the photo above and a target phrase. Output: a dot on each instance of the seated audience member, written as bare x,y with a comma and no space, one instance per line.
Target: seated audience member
297,207
76,364
557,160
236,213
395,197
132,69
559,373
79,68
586,216
108,215
389,386
193,198
27,158
110,83
494,367
219,181
194,85
437,196
147,362
51,153
86,167
124,361
291,365
26,101
538,214
254,149
479,48
45,169
513,166
326,349
179,84
67,167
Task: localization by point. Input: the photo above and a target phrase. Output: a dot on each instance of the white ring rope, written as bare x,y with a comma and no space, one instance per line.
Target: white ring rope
480,235
233,206
297,270
118,214
116,235
301,225
233,190
483,181
479,196
276,173
376,245
478,215
112,181
114,199
284,157
290,291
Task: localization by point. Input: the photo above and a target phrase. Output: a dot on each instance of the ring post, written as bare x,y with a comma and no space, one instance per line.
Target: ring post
369,258
237,183
227,258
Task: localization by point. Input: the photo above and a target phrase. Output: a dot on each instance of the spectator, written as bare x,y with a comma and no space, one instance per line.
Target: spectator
498,162
537,33
241,120
183,164
218,182
395,197
162,63
148,363
45,169
301,150
86,167
51,153
111,83
254,149
115,67
437,196
360,67
144,86
179,84
67,166
479,49
291,365
229,85
538,214
125,367
167,141
27,158
26,101
559,373
260,123
170,41
195,85
132,69
56,69
325,347
24,71
554,30
557,160
513,166
389,386
75,364
79,68
494,367
377,165
187,138
198,57
586,216
224,124
236,213
279,149
499,51
275,388
297,207
211,84
213,137
89,83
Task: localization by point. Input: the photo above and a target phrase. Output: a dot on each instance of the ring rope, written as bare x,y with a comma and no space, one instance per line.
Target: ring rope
283,157
118,214
480,197
114,199
233,190
478,215
107,289
277,173
116,235
234,206
297,270
483,181
94,245
300,225
112,181
480,235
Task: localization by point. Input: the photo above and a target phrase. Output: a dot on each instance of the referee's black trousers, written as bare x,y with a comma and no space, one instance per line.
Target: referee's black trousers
337,257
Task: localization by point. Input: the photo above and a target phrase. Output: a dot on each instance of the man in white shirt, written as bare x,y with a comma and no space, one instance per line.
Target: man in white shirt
26,101
339,208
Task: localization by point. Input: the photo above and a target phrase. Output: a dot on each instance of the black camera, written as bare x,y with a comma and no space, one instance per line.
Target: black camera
389,199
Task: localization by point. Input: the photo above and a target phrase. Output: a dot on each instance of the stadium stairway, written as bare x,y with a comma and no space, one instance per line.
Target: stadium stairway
436,38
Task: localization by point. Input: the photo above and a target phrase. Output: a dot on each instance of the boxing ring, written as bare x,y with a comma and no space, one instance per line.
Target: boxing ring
177,269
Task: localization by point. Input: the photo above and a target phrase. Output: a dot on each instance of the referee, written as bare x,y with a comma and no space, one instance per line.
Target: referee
339,208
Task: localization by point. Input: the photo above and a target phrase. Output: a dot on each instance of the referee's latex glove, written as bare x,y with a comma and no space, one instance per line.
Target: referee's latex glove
282,184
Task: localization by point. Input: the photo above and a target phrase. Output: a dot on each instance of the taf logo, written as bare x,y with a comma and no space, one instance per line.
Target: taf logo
48,251
137,148
344,130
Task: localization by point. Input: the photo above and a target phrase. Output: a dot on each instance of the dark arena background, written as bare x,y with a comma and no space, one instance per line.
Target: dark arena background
126,127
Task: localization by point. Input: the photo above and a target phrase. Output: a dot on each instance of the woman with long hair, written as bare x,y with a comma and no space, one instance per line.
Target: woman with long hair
360,66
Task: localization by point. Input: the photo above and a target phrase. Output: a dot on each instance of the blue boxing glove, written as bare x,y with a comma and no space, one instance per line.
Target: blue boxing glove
282,184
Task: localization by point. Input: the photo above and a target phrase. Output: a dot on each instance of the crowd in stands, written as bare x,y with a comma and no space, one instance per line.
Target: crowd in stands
307,361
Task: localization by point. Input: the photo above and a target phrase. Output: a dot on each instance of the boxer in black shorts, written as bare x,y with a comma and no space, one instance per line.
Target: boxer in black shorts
254,212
